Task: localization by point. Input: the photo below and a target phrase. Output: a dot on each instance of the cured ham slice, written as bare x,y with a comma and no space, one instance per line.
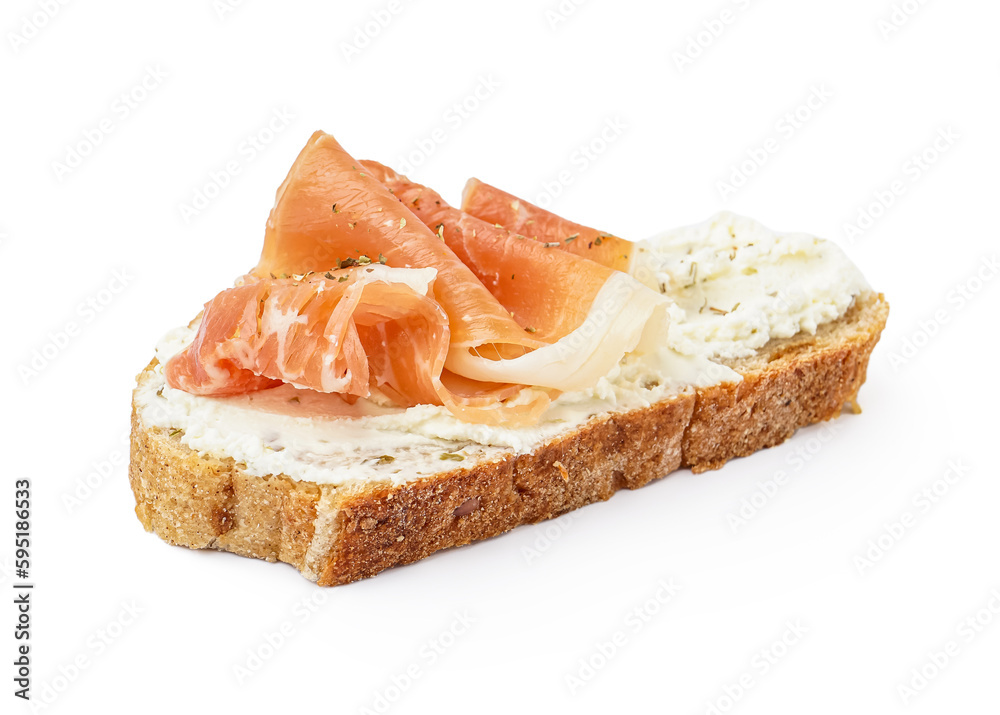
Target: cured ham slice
548,292
322,332
590,314
355,292
343,332
498,207
329,210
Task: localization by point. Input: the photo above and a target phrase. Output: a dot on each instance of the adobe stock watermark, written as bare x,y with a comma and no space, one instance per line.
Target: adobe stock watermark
938,659
549,533
224,8
787,126
711,29
762,662
97,474
98,643
755,502
637,618
272,641
85,313
957,298
122,107
32,24
452,119
912,171
366,32
899,15
562,11
429,653
581,158
6,570
247,150
922,503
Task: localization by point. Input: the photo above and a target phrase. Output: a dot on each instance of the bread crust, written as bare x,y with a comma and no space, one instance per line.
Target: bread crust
335,535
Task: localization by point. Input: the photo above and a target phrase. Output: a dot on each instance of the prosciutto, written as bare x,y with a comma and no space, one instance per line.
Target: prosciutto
368,281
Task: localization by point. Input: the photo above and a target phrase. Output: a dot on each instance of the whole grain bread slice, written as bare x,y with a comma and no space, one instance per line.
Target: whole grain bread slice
338,534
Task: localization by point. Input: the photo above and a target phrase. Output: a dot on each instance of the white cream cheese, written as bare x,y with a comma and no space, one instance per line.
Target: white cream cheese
736,284
760,284
269,431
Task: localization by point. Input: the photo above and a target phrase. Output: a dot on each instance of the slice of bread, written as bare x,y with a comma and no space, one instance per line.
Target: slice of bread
338,534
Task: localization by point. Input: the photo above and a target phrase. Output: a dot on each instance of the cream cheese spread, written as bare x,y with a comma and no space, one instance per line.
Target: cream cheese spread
321,438
736,284
731,283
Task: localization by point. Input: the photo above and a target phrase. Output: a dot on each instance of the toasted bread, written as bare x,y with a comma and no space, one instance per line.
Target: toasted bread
338,534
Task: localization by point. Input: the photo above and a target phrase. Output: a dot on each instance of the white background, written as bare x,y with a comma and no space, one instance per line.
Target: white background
890,90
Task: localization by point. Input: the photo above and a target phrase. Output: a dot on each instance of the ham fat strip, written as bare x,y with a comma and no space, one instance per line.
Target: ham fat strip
592,315
498,207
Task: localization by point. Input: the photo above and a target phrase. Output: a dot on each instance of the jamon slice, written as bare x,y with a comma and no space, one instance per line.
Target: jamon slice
590,314
498,207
